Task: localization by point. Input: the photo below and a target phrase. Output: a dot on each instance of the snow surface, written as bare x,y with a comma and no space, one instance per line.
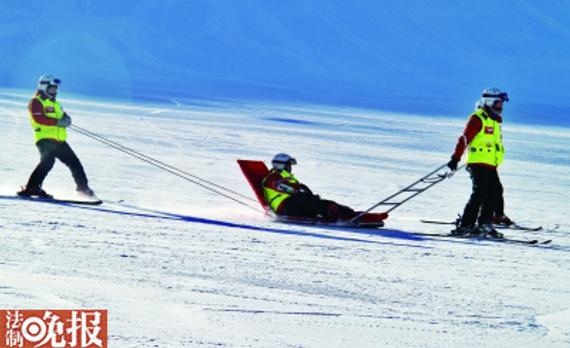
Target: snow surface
211,272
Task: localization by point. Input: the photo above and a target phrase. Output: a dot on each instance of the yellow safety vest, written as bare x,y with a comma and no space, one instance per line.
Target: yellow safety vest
52,109
274,197
487,146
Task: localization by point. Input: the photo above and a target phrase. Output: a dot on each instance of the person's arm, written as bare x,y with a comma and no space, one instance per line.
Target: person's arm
305,189
471,129
276,182
37,111
284,186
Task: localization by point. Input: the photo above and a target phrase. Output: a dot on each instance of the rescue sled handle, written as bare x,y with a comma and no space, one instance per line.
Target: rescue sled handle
412,190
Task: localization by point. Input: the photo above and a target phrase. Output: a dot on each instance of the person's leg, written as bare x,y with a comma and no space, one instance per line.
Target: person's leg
493,197
312,206
48,150
334,211
500,210
499,217
68,157
473,206
308,206
490,197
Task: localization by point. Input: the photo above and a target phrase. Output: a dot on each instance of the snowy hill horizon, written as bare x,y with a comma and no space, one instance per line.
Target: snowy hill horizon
408,57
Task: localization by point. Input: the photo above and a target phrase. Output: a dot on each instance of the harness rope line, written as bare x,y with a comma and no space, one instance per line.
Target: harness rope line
166,167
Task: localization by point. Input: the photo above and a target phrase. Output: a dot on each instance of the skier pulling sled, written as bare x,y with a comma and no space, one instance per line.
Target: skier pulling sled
285,198
50,122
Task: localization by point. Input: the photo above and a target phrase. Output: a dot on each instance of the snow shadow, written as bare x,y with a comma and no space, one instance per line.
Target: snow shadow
188,218
385,233
159,215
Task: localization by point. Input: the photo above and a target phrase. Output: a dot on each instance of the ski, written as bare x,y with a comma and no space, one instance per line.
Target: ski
438,222
73,201
486,238
55,200
519,227
511,227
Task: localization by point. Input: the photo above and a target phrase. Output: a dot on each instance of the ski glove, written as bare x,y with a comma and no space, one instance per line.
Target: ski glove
285,188
65,121
305,190
453,164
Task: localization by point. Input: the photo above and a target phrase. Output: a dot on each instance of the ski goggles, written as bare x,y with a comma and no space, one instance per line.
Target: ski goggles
54,82
503,96
289,161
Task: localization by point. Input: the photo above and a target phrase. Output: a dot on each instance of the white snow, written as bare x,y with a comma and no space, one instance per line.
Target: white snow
173,282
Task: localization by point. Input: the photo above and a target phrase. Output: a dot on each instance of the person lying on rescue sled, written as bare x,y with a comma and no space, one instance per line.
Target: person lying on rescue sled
287,196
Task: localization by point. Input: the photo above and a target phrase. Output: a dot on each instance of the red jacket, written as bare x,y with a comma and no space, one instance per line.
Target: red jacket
472,128
37,110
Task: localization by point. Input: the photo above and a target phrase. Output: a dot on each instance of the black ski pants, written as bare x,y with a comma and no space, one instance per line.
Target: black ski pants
49,151
312,206
486,196
500,209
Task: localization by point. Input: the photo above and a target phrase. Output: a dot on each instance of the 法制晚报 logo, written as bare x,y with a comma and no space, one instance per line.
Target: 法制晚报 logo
78,328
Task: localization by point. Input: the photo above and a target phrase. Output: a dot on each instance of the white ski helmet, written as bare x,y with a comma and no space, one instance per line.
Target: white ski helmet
281,160
490,96
46,81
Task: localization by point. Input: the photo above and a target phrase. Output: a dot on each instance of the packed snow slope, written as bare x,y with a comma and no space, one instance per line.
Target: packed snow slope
215,273
408,56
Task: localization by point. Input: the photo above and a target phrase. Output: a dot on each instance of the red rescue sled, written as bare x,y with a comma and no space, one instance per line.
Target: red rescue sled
255,171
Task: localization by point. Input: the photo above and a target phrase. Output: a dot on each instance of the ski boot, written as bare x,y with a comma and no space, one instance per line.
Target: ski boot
86,192
502,220
487,230
465,231
33,192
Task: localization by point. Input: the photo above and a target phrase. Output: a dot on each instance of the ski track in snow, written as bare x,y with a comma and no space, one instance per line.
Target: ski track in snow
213,273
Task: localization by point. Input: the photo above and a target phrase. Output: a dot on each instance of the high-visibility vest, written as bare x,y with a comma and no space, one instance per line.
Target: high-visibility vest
487,146
52,109
273,197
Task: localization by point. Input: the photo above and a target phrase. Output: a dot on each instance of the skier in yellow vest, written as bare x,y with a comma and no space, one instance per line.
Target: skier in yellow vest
483,140
49,122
